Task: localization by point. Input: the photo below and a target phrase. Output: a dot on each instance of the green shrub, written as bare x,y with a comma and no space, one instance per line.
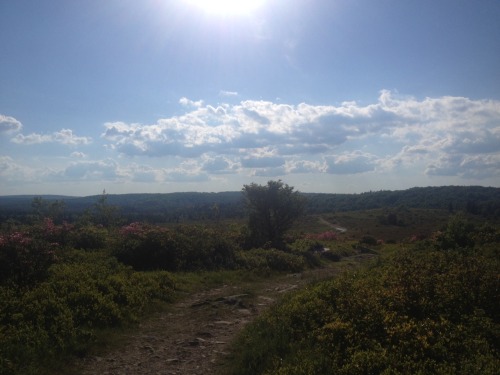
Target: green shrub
309,250
185,248
89,237
270,259
421,312
83,292
368,240
459,233
24,260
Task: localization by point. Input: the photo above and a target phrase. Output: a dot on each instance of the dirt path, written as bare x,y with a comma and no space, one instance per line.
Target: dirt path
333,226
193,336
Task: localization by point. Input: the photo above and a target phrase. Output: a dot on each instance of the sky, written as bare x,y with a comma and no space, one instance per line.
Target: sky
333,96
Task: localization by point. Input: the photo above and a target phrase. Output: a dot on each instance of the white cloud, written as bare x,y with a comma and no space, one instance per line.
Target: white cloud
91,171
190,103
263,162
305,166
350,163
78,155
219,165
393,132
143,173
12,171
269,172
31,139
477,167
64,136
7,166
9,124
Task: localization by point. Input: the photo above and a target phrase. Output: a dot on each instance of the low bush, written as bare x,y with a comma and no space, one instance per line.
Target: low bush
24,260
270,259
185,248
421,312
89,237
368,240
82,293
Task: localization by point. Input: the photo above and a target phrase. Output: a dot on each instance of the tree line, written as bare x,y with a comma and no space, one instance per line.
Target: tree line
189,206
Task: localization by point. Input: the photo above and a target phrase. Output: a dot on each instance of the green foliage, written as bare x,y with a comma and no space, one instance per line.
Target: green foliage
89,237
428,312
272,208
186,248
270,259
82,293
103,213
368,240
459,233
24,260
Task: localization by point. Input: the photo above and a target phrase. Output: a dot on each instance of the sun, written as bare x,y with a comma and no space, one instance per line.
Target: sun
227,7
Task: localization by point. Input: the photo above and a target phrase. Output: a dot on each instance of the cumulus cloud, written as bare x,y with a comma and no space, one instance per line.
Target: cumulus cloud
218,165
11,171
350,163
190,103
304,166
143,173
92,171
9,124
273,138
64,136
471,167
7,166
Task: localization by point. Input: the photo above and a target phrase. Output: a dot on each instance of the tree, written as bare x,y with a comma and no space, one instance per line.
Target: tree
104,213
458,234
272,208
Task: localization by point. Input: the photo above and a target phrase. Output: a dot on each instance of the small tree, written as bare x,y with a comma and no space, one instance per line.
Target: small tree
272,208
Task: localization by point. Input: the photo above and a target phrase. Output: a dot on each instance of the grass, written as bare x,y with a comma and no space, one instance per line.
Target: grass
406,222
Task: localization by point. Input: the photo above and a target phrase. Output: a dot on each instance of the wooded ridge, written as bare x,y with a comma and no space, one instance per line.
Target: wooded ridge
183,206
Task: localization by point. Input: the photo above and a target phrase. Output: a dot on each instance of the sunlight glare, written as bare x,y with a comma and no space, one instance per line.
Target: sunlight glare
227,7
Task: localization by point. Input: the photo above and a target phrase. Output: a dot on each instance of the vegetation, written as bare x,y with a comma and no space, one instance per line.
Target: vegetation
61,284
430,308
272,208
429,304
187,207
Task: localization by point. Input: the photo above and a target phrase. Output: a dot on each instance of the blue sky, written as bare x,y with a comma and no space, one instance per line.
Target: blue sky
330,96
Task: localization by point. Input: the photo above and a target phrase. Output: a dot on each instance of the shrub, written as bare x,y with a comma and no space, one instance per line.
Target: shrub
422,312
459,233
368,240
187,248
24,260
90,237
146,247
324,236
84,292
270,259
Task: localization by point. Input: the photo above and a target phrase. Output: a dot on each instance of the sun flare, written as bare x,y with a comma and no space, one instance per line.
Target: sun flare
227,7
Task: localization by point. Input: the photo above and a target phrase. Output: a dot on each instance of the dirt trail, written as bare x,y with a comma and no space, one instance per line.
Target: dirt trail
333,226
193,336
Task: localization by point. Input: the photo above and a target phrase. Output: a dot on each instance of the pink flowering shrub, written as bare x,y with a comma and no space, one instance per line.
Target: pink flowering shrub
325,236
24,260
47,231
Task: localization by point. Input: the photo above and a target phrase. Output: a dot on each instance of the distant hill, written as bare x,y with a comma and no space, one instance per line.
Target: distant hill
473,199
177,207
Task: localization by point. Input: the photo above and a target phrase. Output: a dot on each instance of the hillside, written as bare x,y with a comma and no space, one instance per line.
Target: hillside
187,206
